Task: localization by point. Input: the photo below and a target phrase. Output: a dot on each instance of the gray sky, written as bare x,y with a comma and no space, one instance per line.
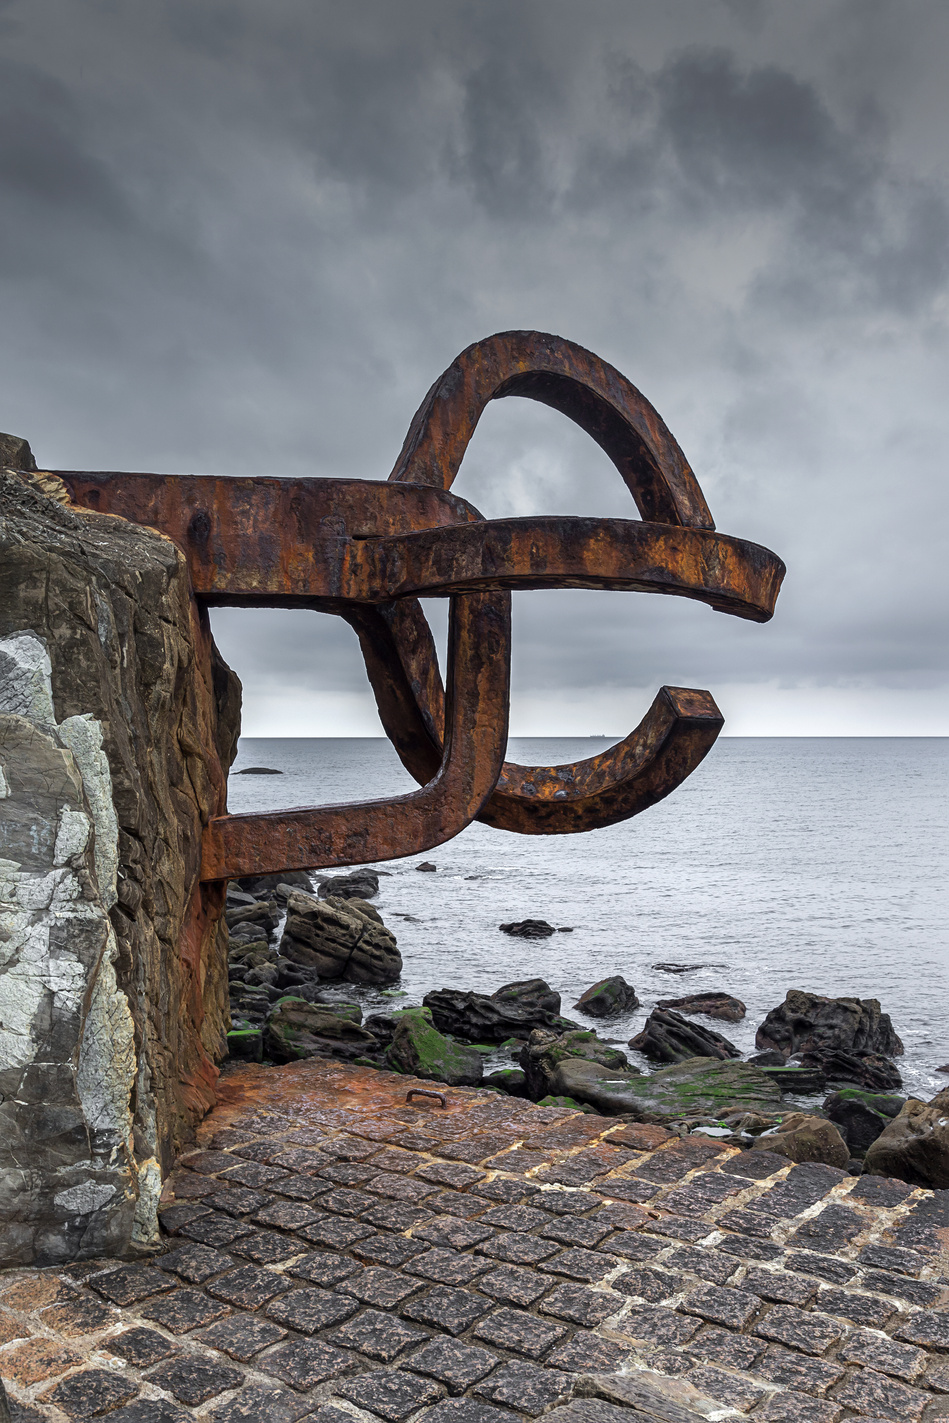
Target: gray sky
244,238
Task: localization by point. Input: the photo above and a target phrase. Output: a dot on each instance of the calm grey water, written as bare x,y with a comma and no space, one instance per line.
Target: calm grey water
780,863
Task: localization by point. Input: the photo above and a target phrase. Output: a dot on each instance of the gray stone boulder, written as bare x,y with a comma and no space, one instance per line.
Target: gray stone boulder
869,1070
514,1011
528,929
800,1137
361,884
298,1029
608,998
861,1116
668,1037
810,1023
546,1051
700,1088
420,1050
709,1005
914,1146
341,939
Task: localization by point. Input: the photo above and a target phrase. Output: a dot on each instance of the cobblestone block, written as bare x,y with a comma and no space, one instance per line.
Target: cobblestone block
346,1173
928,1328
588,1353
577,1230
629,1246
707,1264
452,1234
175,1216
454,1364
838,1272
242,1335
11,1329
802,1188
386,1249
918,1292
524,1386
811,1333
323,1267
266,1247
468,1410
580,1305
829,1231
798,1372
300,1158
507,1189
301,1188
91,1392
379,1336
195,1263
620,1215
255,1174
858,1309
143,1410
449,1267
628,1189
270,1405
392,1215
140,1347
753,1165
677,1227
452,1310
515,1249
183,1310
566,1202
131,1284
37,1360
379,1286
871,1392
701,1194
796,1408
510,1284
35,1292
733,1351
216,1229
884,1192
579,1264
892,1257
393,1158
249,1286
519,1161
194,1381
303,1363
391,1394
519,1333
650,1285
779,1287
344,1201
336,1232
749,1249
720,1305
443,1173
73,1317
731,1389
748,1222
399,1188
885,1355
309,1310
287,1215
514,1217
209,1163
455,1203
658,1326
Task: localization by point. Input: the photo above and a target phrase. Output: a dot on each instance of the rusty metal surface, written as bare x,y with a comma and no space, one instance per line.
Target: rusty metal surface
368,550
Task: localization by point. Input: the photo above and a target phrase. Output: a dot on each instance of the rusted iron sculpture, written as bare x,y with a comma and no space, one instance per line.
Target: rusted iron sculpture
367,551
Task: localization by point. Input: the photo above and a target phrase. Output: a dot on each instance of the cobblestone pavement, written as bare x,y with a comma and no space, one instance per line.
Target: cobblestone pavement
333,1252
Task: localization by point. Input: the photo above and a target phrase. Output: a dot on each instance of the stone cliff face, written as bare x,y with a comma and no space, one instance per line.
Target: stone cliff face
114,747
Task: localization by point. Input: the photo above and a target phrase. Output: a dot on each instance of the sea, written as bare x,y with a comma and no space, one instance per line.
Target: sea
810,863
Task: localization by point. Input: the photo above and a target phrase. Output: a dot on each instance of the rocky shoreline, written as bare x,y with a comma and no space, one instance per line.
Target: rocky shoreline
296,942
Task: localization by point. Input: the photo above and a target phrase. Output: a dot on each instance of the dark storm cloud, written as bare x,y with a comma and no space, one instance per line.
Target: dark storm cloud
246,238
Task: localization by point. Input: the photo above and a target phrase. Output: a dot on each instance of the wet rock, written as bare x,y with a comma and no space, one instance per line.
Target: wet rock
914,1146
258,771
685,967
804,1138
265,886
608,998
361,884
768,1058
298,1029
546,1051
668,1037
340,939
810,1023
262,915
426,867
245,1044
513,1011
866,1069
711,1005
420,1050
807,1080
528,929
509,1079
698,1088
861,1116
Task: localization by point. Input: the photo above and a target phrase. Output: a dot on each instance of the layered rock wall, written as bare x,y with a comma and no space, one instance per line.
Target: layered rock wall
117,724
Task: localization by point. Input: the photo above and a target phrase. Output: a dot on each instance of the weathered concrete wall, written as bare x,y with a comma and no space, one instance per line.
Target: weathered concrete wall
113,977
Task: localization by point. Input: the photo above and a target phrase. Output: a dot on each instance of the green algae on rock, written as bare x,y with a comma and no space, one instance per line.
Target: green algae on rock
698,1087
420,1050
